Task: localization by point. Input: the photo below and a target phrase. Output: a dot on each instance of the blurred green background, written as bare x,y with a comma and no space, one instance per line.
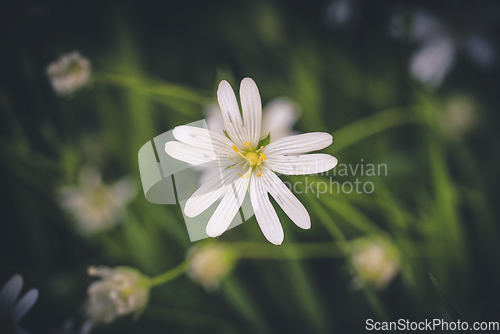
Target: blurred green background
348,65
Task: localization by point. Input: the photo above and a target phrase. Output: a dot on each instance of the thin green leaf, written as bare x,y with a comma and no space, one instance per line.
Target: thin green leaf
265,141
449,307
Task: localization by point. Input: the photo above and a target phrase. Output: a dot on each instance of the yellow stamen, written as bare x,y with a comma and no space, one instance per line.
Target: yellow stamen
240,175
262,147
247,144
260,160
231,158
260,174
232,167
235,148
263,156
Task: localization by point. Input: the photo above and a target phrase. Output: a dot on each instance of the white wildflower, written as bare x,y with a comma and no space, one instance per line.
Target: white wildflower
208,265
120,291
375,261
246,162
12,308
94,205
69,73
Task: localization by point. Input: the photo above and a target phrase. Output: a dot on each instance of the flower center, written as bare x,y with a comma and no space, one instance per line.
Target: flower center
127,291
252,157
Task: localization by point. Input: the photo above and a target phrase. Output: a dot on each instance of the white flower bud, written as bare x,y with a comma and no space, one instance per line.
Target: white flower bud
208,265
459,116
120,291
375,262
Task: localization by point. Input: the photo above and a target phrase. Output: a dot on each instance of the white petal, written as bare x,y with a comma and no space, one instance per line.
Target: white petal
231,113
301,164
264,212
228,208
286,199
198,155
278,118
210,191
203,138
433,60
25,304
10,291
298,144
251,106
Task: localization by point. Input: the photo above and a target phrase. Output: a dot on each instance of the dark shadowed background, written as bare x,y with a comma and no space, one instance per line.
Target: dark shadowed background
412,85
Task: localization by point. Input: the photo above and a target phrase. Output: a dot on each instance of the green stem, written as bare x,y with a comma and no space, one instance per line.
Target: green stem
151,86
169,275
368,126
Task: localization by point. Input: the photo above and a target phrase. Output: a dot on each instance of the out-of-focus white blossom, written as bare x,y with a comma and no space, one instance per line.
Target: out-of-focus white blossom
459,115
376,262
208,265
432,61
278,118
120,291
437,45
12,307
69,73
94,205
340,13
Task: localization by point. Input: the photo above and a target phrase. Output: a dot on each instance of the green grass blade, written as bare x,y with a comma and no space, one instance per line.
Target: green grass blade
453,313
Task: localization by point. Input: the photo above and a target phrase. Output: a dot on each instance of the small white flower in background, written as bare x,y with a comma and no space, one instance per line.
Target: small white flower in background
208,265
433,61
245,162
278,119
69,73
12,308
438,47
435,57
340,13
94,205
459,116
121,291
376,262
